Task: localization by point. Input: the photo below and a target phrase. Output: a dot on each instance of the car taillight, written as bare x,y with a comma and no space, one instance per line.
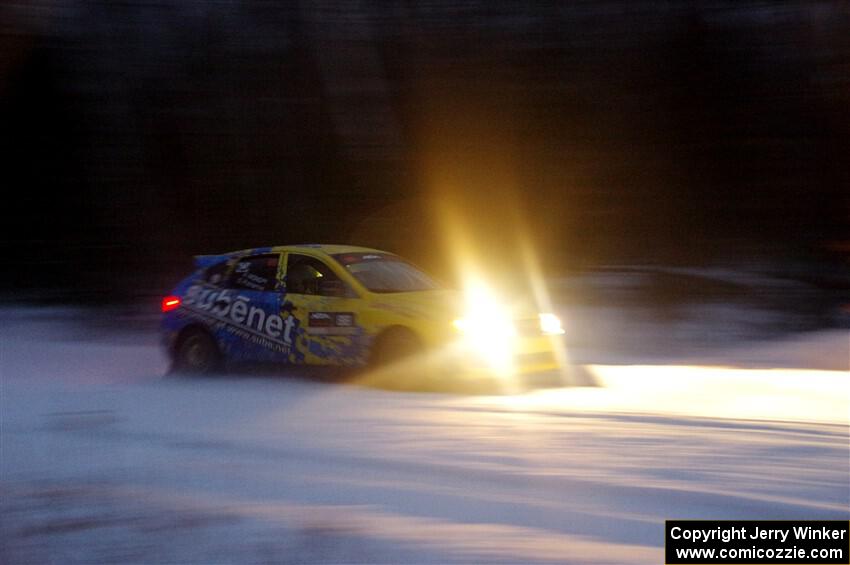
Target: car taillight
170,303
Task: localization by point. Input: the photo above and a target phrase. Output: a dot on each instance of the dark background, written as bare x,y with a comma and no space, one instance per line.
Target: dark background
136,134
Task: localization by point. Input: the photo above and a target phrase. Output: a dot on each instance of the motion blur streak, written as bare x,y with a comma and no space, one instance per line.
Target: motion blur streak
698,391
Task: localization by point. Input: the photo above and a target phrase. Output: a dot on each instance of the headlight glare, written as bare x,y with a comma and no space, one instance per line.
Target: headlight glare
490,338
550,324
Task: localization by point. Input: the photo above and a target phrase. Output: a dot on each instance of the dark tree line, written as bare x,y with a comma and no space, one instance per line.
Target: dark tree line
135,134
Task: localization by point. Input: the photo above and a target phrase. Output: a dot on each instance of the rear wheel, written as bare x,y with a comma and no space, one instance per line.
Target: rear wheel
197,354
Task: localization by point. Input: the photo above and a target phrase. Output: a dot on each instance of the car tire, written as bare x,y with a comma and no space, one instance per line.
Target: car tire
393,346
196,353
387,367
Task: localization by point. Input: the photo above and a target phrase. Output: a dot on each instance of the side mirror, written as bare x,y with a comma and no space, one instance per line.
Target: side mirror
335,288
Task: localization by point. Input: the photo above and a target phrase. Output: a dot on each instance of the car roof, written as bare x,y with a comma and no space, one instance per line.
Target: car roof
329,248
204,261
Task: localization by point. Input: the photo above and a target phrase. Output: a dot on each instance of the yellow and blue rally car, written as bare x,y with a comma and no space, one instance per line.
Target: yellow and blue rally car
344,305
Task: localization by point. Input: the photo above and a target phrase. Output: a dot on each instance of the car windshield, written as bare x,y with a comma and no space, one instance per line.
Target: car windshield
382,272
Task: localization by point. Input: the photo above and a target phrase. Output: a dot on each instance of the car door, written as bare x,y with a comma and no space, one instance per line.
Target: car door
326,308
252,323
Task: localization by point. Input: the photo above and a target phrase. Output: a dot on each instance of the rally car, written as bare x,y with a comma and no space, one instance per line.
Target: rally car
349,306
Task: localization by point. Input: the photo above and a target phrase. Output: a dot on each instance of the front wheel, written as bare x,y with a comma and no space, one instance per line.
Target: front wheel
398,361
196,354
393,347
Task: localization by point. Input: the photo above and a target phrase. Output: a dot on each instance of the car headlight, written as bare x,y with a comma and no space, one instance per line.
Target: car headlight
550,324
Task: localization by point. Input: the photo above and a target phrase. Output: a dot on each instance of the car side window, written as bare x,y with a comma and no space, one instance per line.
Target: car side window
258,272
308,275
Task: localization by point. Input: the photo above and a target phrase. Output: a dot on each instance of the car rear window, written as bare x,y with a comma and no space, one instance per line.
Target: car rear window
258,272
215,274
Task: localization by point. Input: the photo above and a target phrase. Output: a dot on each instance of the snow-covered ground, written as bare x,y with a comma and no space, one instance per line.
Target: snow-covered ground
102,460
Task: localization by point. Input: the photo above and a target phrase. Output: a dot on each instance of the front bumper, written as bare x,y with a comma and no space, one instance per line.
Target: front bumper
528,355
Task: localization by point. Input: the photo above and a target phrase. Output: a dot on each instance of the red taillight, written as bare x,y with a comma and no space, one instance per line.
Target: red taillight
170,303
